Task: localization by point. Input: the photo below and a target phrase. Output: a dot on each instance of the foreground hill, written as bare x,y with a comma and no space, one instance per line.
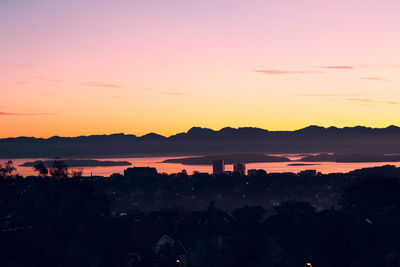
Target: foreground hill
201,141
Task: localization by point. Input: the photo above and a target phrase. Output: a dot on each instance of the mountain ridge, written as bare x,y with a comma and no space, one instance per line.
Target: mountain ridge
202,141
195,130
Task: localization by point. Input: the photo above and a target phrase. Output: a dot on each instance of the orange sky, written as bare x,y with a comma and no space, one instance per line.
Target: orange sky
74,68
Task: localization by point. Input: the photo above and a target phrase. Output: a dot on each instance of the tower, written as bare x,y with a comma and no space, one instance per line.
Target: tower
218,166
239,168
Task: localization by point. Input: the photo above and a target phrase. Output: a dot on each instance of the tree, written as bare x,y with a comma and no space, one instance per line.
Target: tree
76,173
7,168
59,169
296,207
372,194
41,167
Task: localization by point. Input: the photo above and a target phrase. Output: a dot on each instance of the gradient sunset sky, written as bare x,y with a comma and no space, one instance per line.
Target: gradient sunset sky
137,66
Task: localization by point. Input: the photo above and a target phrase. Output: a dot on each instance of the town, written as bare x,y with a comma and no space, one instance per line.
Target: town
146,218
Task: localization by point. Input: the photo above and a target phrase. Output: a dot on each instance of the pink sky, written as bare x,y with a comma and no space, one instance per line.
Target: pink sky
90,67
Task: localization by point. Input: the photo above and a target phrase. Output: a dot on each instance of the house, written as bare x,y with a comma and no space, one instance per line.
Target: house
207,235
267,214
167,250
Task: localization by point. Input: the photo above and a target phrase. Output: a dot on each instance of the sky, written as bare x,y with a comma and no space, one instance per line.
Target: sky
81,67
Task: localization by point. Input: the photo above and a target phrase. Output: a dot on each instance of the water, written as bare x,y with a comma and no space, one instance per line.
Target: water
323,167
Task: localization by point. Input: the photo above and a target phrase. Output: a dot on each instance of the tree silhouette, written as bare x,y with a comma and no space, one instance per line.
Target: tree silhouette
59,169
372,194
7,168
295,207
76,173
41,167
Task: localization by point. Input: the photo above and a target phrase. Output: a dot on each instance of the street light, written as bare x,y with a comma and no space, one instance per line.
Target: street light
308,264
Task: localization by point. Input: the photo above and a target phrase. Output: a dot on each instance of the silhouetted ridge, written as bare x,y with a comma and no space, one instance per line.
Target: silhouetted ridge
152,137
203,141
312,129
228,131
200,132
251,131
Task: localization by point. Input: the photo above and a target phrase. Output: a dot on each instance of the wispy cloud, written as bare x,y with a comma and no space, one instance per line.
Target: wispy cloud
393,102
102,84
21,82
89,84
366,100
328,95
389,66
379,66
37,78
373,78
24,114
279,72
338,67
33,67
170,93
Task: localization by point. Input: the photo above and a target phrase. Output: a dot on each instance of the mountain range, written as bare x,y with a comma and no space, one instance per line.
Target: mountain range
202,141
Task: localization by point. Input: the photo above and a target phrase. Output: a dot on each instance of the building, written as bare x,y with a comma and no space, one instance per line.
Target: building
239,168
208,236
116,176
255,172
140,171
218,166
166,247
308,173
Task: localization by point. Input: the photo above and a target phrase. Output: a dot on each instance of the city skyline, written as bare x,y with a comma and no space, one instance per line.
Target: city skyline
73,68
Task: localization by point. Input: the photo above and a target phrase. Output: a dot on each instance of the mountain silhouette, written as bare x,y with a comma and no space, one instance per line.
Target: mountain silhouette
203,141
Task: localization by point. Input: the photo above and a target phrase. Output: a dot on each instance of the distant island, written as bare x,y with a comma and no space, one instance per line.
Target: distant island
80,163
352,158
303,164
228,159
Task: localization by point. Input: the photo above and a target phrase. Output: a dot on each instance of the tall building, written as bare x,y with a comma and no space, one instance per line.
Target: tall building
218,166
239,168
